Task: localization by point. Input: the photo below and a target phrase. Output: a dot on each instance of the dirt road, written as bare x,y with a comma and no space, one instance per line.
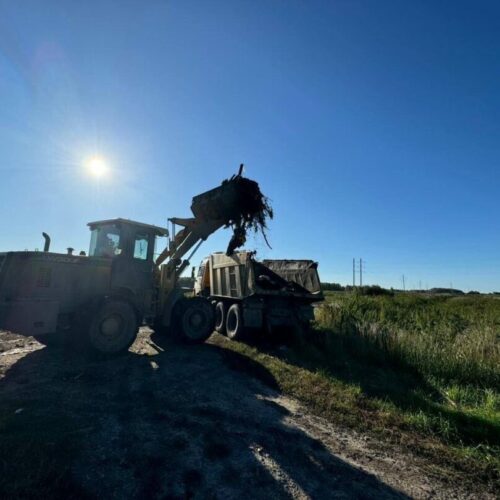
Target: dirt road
166,421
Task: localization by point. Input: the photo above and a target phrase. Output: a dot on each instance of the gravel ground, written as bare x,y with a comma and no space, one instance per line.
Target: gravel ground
167,421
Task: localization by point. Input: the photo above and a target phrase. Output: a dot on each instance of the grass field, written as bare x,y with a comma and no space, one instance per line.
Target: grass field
421,370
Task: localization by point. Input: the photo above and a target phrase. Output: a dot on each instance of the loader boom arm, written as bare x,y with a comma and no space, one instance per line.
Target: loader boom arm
236,202
194,232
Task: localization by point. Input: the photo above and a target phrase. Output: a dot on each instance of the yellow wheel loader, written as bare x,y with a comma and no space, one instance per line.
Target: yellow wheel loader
105,296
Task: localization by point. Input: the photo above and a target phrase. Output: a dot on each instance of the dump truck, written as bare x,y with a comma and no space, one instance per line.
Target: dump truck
250,296
105,296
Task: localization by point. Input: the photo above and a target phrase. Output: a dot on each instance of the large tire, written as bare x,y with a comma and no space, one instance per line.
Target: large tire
220,318
235,329
194,320
114,328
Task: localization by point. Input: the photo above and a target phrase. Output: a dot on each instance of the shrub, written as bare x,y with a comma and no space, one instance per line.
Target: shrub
332,287
374,290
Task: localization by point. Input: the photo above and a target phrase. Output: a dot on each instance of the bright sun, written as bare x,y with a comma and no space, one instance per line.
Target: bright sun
97,166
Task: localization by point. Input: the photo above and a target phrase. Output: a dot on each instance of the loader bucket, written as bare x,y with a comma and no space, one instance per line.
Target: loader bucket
230,201
239,203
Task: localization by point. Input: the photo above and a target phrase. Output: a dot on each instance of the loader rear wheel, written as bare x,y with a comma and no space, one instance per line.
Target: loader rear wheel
114,328
235,329
195,320
220,318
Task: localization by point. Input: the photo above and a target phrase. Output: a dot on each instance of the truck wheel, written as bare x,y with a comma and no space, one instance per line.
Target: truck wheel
234,323
114,328
220,318
195,320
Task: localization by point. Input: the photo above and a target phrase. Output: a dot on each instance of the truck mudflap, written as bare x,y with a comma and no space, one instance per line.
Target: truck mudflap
29,316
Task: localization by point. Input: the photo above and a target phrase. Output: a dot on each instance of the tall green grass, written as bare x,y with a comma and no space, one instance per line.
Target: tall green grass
436,360
456,339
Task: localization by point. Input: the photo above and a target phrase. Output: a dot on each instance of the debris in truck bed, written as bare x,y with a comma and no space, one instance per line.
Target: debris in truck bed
240,203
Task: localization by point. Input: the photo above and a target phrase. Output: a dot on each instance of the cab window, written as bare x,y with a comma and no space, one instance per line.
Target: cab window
141,246
105,242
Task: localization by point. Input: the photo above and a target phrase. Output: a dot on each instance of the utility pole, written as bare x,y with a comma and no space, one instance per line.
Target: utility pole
353,272
360,272
404,287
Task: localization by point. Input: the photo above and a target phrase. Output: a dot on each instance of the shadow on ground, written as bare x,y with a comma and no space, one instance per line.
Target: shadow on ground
162,421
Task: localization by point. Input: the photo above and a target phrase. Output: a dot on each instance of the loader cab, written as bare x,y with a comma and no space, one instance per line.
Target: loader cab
130,248
124,238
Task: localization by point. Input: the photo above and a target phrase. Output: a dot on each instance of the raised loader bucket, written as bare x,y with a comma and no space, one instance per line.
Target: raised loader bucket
239,203
235,199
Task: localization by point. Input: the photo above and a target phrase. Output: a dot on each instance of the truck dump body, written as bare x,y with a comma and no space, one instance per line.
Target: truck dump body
269,294
240,276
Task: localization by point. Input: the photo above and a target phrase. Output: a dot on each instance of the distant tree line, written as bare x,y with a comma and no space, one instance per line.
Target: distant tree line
361,290
378,290
332,287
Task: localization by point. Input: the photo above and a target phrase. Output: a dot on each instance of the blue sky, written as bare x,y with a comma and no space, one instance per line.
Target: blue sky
373,126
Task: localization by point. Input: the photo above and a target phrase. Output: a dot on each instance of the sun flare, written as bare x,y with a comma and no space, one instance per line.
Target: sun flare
97,166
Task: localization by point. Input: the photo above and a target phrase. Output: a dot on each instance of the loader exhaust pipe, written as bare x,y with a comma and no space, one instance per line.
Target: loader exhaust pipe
46,246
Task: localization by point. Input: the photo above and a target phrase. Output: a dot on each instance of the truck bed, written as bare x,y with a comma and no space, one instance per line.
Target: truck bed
240,276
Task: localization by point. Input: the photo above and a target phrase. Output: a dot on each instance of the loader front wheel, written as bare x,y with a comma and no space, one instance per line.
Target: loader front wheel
195,320
114,328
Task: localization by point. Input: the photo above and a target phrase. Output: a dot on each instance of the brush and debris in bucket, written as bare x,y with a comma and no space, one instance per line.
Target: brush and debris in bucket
238,202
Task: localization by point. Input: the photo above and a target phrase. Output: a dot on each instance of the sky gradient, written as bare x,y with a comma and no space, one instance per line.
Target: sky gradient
373,126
